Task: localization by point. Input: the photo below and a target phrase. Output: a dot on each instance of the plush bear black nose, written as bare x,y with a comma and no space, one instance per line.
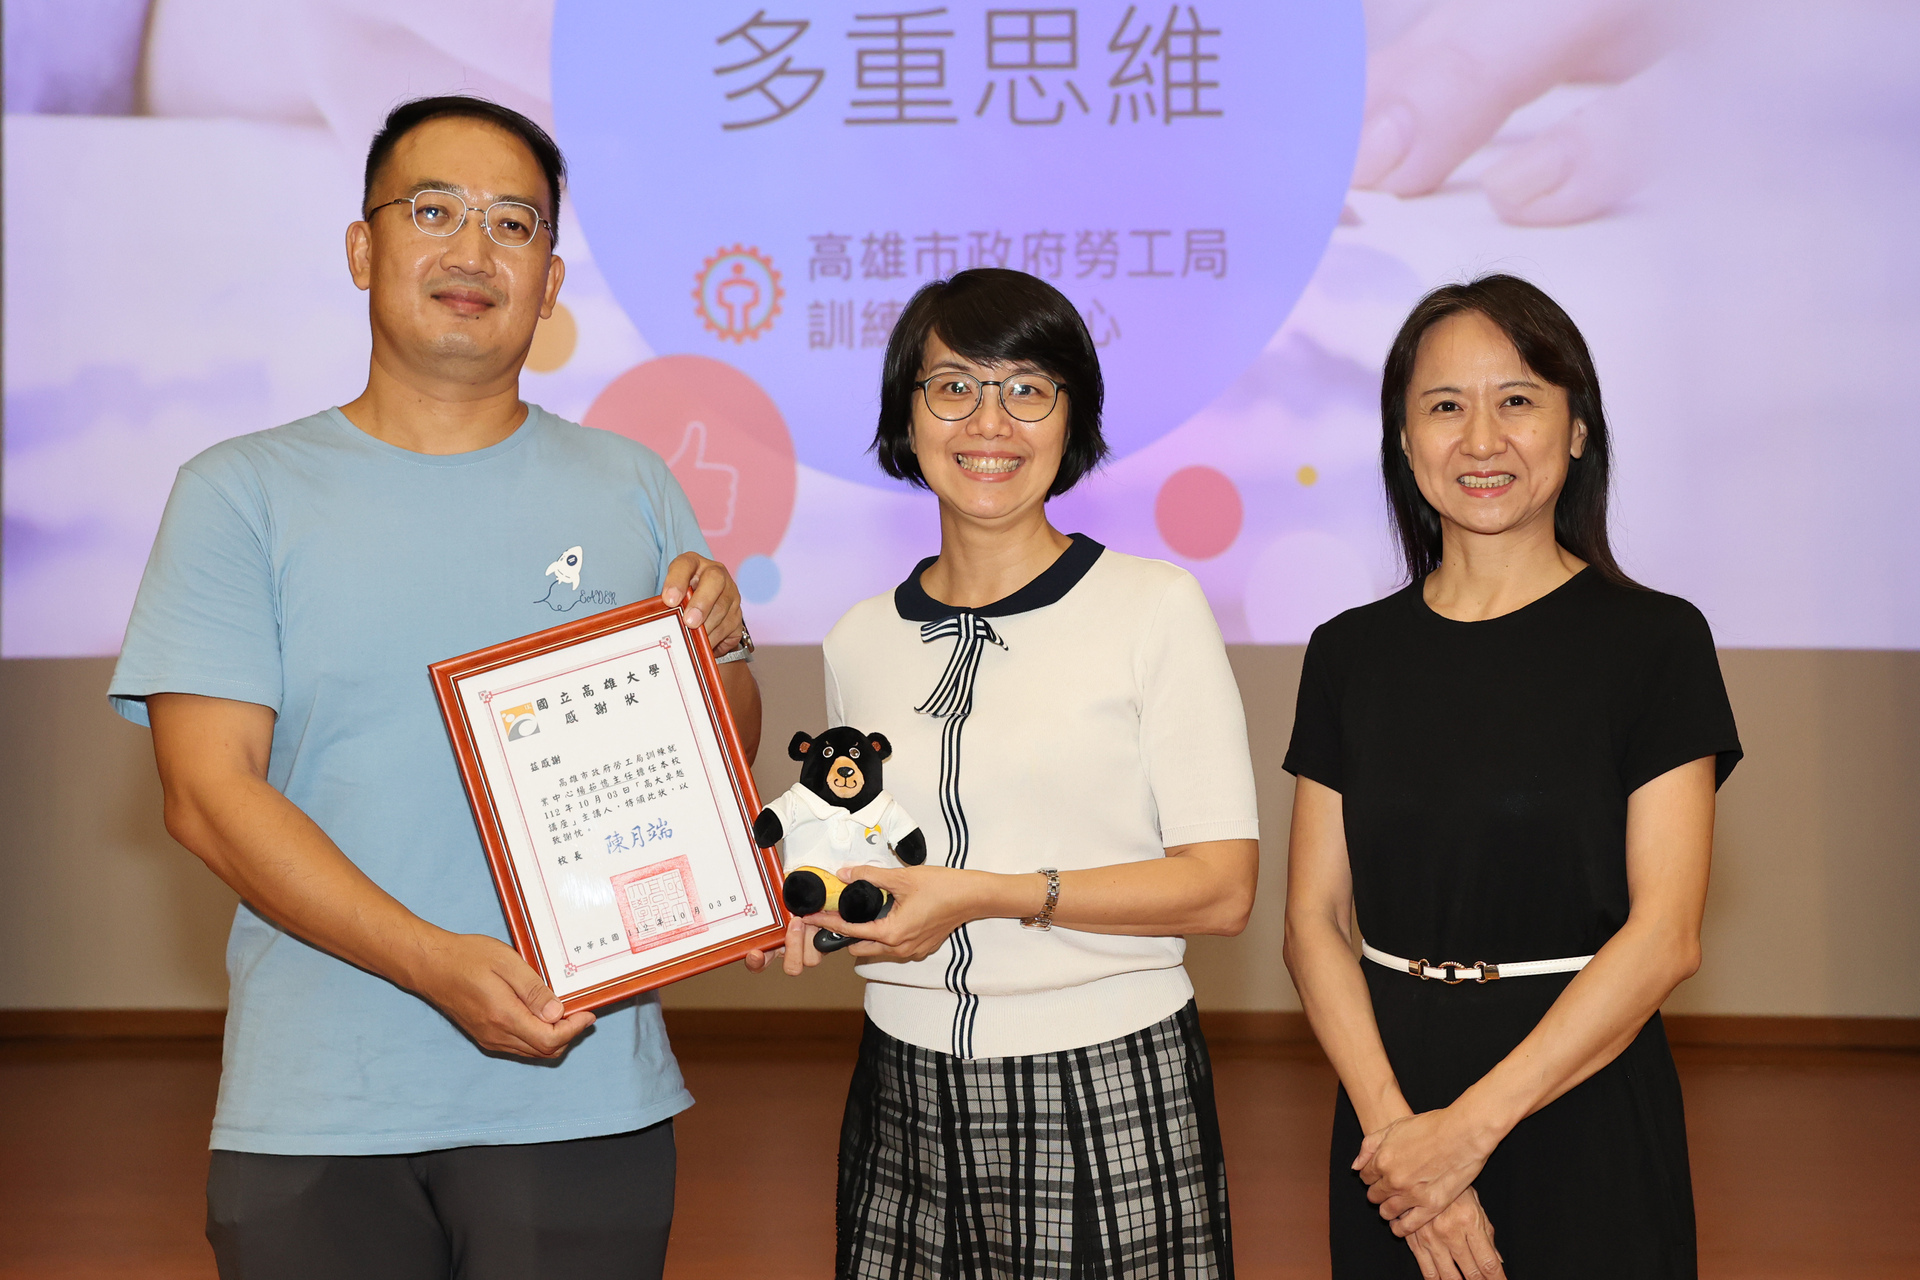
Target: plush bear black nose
846,771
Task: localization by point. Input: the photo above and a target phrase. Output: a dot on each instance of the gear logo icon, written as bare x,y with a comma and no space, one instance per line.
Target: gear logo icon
737,293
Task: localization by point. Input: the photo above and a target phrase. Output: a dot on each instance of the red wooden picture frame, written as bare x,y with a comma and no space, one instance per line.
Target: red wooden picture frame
514,900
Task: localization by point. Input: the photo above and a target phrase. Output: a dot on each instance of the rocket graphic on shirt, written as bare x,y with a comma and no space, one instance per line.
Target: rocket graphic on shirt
565,594
567,568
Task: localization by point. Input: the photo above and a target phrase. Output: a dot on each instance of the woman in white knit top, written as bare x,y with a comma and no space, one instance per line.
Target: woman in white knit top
1033,1096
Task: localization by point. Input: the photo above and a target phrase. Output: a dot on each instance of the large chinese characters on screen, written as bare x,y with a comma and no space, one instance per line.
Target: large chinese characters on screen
1174,169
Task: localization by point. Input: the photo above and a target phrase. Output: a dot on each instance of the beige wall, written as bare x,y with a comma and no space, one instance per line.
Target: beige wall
1815,907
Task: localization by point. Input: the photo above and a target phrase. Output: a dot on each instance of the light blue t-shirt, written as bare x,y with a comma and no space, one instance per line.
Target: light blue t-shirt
316,570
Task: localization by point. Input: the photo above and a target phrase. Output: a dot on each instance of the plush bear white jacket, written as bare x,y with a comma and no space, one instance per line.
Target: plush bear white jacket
818,834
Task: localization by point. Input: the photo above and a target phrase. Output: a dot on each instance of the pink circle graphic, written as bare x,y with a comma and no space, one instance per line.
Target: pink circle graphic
1198,512
724,440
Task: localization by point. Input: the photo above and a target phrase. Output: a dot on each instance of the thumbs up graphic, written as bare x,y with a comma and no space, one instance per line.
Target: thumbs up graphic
723,438
712,487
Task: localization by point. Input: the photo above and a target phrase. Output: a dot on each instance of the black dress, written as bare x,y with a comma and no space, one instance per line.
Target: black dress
1484,769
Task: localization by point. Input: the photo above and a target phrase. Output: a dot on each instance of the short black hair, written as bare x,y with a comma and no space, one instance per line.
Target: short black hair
408,116
993,316
1550,343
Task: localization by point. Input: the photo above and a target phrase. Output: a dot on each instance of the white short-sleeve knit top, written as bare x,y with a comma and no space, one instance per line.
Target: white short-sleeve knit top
1088,719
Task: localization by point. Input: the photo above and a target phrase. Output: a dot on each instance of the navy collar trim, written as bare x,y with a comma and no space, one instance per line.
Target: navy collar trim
1060,577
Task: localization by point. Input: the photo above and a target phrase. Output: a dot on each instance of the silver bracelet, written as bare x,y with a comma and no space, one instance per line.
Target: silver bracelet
745,652
1044,920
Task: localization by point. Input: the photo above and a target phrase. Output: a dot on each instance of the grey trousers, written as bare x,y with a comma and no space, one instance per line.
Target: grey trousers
593,1206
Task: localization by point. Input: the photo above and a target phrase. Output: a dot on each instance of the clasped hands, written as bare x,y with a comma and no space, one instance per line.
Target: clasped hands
1420,1169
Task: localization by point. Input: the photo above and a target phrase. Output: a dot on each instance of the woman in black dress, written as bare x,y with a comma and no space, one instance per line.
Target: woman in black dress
1511,761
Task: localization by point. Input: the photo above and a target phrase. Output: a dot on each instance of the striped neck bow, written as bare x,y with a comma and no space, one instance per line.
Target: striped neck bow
953,696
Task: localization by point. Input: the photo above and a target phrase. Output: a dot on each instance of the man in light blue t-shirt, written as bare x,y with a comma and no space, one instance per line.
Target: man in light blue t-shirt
400,1095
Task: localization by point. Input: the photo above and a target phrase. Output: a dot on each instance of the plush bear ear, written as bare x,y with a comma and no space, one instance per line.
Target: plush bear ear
800,747
881,747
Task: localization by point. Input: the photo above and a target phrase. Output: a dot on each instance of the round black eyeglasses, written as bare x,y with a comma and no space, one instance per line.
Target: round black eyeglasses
1027,397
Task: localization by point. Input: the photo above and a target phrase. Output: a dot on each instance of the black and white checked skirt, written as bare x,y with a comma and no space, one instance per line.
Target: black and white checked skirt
1096,1162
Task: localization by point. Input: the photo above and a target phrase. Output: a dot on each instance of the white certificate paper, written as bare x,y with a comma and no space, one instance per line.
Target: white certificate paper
621,813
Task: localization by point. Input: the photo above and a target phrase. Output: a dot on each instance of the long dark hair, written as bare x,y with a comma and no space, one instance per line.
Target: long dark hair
1550,343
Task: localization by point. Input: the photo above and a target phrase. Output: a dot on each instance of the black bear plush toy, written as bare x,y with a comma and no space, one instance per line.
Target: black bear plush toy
838,814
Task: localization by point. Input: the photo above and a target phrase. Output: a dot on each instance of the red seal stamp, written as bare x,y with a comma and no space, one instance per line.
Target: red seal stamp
658,903
737,293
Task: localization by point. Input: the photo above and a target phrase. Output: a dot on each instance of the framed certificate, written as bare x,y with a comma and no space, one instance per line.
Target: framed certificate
614,802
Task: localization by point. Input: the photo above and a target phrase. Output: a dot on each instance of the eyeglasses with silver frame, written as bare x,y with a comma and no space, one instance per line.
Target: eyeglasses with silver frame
953,396
511,224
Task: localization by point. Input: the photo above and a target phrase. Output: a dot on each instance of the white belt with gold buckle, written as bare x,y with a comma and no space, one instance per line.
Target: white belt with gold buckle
1479,971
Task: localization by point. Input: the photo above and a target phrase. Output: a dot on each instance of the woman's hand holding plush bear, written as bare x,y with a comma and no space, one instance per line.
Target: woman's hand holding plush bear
837,814
929,903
